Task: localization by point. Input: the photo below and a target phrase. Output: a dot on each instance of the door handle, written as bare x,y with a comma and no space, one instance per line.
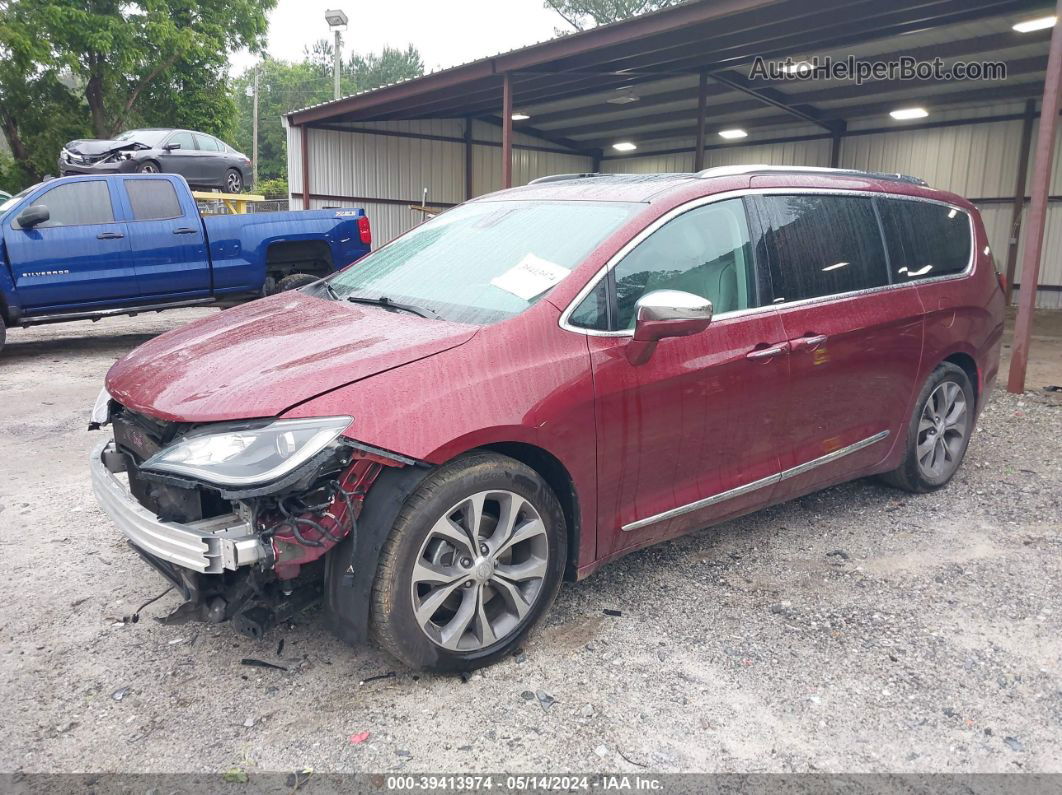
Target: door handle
760,354
185,230
109,236
807,342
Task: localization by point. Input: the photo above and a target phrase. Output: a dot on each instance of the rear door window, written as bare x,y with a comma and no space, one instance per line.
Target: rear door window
821,245
925,239
76,204
208,144
153,199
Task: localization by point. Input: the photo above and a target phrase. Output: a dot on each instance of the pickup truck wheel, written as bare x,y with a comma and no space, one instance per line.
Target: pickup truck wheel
233,181
150,167
3,333
938,433
473,561
295,281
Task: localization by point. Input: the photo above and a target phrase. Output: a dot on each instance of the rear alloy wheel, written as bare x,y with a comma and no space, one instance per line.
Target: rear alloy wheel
150,167
233,181
939,432
474,559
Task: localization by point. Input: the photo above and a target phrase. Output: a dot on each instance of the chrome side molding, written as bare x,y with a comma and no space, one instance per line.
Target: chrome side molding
747,488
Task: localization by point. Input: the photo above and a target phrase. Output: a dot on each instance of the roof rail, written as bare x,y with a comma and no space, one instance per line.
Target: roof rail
729,171
562,177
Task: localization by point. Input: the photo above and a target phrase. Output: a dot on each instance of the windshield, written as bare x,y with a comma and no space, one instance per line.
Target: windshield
485,261
9,203
147,137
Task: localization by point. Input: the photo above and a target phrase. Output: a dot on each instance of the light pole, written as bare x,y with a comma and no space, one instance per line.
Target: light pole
337,20
252,91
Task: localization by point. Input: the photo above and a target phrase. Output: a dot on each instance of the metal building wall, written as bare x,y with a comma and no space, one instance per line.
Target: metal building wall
355,168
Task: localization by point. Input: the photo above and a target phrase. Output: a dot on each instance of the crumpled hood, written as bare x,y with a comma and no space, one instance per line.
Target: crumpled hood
95,146
261,358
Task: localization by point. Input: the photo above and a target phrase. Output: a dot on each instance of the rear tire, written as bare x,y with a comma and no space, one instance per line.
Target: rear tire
294,281
938,432
233,181
473,561
3,333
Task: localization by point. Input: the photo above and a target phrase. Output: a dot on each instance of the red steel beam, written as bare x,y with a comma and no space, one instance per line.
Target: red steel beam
507,130
1034,240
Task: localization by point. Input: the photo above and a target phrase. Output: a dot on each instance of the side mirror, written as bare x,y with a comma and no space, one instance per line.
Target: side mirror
666,313
171,147
33,215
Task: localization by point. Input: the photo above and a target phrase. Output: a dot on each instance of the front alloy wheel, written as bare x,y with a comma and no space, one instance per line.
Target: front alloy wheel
480,571
474,559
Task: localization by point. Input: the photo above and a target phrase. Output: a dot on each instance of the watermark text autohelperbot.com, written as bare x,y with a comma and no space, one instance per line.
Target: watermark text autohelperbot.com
862,70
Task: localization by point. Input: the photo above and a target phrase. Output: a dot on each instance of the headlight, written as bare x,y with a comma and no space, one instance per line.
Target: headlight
101,409
248,456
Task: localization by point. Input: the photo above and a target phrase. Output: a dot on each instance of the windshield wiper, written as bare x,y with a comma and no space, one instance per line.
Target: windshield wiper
387,303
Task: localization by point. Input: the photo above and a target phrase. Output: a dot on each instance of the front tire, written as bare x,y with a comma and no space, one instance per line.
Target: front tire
294,281
149,167
938,433
473,561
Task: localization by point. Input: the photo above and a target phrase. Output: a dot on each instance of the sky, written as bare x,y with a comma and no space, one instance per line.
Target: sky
446,33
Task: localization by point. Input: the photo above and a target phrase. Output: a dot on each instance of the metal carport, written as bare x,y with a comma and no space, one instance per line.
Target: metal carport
670,81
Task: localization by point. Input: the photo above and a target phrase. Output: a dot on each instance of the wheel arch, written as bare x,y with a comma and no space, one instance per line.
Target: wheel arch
968,365
285,256
557,477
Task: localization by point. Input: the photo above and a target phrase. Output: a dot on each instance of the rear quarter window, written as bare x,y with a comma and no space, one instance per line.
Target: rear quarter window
925,239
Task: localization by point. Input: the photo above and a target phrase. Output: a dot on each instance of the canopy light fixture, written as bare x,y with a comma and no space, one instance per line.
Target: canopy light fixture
520,117
624,146
1040,23
623,96
902,114
734,134
799,68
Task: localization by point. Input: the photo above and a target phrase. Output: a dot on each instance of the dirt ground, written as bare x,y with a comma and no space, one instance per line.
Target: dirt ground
857,629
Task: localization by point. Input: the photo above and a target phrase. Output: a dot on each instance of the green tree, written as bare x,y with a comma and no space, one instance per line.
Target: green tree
95,67
284,86
583,14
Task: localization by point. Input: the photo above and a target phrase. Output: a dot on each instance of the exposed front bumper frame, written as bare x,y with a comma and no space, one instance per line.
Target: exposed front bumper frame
209,546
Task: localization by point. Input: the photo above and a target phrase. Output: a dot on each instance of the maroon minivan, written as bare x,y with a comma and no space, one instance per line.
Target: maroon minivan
541,380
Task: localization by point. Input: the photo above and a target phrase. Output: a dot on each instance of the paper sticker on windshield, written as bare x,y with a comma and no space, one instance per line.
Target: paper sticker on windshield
531,276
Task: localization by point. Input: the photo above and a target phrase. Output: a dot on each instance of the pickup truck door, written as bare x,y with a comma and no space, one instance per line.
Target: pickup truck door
79,256
167,245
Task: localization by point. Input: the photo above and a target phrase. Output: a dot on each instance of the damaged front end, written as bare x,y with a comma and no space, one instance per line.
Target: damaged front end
93,152
238,516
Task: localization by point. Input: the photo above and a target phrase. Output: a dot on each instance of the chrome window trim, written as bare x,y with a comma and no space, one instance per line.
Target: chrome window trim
747,488
616,258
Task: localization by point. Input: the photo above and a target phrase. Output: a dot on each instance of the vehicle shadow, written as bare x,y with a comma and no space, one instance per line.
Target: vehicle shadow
71,346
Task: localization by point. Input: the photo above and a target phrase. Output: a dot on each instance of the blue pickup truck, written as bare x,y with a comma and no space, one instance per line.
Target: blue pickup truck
87,247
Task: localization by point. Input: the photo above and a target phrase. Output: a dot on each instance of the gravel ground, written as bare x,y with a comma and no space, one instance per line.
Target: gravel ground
857,629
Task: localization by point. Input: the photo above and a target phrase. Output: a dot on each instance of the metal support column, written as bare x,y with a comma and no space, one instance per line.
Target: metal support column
702,101
304,136
507,130
468,158
1019,195
1034,239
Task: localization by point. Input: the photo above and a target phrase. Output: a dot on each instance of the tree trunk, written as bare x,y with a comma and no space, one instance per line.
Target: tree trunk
94,97
17,146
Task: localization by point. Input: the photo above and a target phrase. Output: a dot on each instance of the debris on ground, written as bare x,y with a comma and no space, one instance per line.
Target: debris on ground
377,677
120,693
1014,744
545,699
234,775
280,647
251,661
613,613
358,738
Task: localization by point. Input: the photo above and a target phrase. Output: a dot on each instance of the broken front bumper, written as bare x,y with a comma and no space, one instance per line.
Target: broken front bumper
209,546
